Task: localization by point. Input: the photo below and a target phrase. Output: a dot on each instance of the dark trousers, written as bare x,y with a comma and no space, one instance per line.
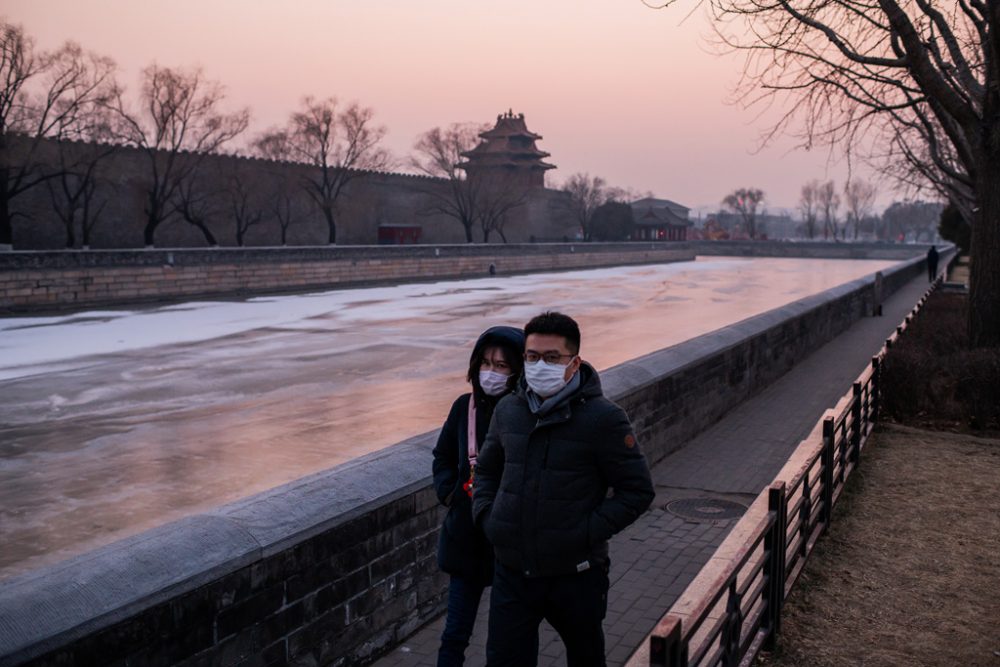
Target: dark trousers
463,604
573,604
932,271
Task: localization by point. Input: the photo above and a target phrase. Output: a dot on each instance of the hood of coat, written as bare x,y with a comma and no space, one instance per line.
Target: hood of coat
494,336
510,336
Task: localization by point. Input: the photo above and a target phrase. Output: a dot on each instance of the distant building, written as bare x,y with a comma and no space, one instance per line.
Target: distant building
508,153
660,220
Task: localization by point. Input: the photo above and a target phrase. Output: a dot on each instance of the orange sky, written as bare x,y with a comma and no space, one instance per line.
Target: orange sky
615,88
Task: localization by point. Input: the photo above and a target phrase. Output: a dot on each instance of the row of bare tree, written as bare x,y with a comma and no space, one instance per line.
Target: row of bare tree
52,101
177,121
820,202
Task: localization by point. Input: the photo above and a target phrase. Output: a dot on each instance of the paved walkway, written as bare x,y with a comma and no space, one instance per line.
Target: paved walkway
655,558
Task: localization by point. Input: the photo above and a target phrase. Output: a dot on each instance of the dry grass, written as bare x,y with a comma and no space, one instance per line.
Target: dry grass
909,572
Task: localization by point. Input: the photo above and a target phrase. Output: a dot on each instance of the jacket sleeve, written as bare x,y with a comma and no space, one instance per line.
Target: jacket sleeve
489,468
624,467
446,452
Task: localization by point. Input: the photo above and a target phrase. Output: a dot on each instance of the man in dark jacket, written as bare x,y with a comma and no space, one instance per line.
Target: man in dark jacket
555,447
932,263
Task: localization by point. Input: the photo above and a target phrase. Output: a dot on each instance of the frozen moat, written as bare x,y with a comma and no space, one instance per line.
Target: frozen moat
114,421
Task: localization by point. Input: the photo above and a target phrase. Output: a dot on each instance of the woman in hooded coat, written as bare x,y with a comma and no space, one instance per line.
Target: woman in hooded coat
463,551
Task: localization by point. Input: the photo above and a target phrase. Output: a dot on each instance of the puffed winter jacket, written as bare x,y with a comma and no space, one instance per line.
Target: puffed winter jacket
541,492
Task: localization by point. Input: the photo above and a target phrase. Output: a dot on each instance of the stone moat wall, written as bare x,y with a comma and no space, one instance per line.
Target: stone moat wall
76,279
338,567
61,280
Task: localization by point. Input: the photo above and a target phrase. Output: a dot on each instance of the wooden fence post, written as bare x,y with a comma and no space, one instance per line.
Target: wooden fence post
826,470
666,650
775,546
856,433
874,392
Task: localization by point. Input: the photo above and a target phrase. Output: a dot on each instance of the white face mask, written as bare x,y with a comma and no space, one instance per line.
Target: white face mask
545,379
493,383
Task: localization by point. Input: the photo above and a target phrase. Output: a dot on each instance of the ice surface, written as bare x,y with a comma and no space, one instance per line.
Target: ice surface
113,421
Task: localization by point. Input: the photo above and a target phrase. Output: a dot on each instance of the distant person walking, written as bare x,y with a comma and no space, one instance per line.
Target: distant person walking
932,263
463,551
554,450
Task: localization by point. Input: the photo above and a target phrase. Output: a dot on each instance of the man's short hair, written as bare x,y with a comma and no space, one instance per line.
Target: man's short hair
557,324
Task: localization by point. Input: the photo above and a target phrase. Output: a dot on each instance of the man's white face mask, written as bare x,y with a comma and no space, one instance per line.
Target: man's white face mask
545,379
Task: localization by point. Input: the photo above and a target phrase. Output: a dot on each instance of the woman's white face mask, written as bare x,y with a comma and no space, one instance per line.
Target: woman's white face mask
545,379
493,383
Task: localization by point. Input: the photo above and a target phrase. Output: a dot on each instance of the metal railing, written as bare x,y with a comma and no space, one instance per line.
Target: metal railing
733,608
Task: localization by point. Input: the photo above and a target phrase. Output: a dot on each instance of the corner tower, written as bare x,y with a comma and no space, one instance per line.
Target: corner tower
508,152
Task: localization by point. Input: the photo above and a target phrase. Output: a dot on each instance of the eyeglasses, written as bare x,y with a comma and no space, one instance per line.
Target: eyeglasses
547,357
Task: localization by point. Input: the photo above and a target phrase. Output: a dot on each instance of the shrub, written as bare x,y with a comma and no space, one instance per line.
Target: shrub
930,377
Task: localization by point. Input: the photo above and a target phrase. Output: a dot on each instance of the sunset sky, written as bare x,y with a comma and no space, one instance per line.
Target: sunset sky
634,94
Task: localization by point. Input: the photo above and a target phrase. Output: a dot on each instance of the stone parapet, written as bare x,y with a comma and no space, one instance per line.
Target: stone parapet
810,249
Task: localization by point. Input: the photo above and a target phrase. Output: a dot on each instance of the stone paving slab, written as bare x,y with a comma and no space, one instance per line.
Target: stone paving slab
654,559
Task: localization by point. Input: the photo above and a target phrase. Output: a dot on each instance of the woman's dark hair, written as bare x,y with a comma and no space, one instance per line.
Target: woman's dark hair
556,324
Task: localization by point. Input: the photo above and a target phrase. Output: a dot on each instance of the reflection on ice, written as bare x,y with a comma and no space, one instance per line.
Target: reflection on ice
113,421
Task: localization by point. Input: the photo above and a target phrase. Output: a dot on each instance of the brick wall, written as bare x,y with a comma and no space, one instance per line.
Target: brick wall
74,279
337,567
369,199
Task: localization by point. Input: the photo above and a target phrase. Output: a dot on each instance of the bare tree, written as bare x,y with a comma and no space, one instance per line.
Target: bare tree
286,210
859,198
498,198
916,220
284,205
73,190
586,193
746,202
828,201
437,153
626,195
918,81
244,203
809,206
341,145
44,96
85,144
196,203
179,123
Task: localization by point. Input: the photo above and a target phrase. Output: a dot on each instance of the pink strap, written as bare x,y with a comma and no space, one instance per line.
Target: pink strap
473,447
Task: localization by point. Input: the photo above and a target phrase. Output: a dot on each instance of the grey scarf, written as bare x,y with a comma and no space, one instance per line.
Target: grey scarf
542,406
